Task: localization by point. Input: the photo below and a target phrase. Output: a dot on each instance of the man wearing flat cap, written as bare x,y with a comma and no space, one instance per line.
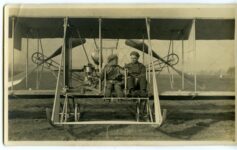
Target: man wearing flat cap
136,80
113,76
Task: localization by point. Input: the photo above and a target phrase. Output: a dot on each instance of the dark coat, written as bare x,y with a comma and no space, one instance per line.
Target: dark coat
136,69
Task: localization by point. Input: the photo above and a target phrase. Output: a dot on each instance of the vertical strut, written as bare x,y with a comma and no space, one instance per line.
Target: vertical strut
182,64
67,62
100,51
13,39
143,49
149,67
56,105
194,48
158,116
37,71
172,74
27,61
70,61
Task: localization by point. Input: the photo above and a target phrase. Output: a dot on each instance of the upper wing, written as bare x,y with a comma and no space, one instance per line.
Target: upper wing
162,29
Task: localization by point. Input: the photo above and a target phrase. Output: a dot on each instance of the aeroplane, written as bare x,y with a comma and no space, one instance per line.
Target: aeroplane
135,30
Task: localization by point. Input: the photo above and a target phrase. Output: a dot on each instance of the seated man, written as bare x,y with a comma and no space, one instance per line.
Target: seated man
114,76
136,74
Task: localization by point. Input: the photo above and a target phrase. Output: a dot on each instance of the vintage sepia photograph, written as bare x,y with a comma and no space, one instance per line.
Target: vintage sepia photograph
104,74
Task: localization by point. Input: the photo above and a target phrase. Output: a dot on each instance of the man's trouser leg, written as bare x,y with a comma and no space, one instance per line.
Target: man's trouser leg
118,90
130,83
143,86
142,83
108,89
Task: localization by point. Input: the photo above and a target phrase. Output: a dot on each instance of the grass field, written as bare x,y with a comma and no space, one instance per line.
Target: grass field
186,120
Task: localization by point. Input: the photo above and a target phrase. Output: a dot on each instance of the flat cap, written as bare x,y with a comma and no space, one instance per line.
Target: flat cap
135,53
112,57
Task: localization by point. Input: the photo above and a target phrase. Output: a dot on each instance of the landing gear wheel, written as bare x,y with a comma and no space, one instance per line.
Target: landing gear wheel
77,113
137,112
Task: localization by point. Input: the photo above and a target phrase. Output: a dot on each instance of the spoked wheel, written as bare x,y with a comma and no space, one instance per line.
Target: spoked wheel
138,112
37,58
77,113
173,59
147,112
164,115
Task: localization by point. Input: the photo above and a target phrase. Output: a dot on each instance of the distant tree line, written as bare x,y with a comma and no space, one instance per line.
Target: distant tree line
231,71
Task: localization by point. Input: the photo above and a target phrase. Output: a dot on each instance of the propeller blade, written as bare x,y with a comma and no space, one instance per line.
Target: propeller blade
144,48
59,50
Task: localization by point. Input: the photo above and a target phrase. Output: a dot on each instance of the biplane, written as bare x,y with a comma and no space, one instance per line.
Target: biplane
138,33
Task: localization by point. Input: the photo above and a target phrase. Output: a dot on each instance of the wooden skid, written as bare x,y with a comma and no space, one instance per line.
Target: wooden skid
104,122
